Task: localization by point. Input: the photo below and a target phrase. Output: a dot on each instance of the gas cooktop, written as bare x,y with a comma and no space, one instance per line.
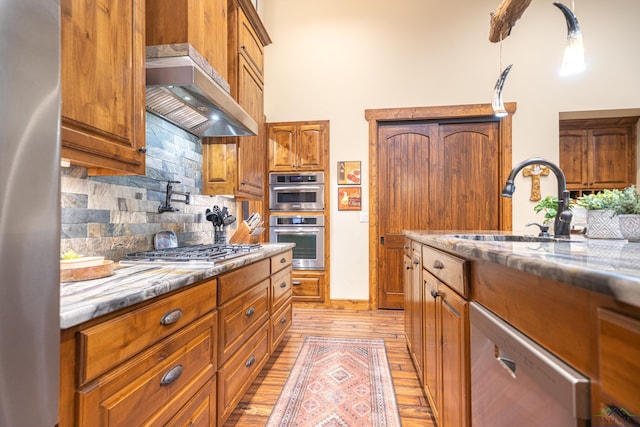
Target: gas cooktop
209,253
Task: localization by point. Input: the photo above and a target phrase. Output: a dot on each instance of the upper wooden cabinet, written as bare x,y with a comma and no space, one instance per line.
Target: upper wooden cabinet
298,145
201,23
598,154
246,176
103,86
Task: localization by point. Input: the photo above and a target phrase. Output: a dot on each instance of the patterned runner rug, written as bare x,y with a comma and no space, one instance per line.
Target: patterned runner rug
338,382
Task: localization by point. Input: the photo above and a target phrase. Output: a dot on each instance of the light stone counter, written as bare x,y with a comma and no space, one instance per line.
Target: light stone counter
610,267
131,284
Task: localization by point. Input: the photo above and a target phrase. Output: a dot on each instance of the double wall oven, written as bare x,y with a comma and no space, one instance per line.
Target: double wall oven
296,202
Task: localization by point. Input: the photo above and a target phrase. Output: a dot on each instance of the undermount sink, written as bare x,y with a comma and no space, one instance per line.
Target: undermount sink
511,238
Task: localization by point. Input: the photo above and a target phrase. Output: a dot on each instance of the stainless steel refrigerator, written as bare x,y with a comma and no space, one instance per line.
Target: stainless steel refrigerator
29,212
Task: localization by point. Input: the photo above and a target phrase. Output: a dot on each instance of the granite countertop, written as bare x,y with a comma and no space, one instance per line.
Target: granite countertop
610,267
131,284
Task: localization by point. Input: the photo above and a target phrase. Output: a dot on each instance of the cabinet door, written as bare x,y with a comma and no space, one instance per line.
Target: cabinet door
455,356
103,85
416,308
573,158
406,279
432,360
282,143
310,147
251,149
219,168
308,286
608,154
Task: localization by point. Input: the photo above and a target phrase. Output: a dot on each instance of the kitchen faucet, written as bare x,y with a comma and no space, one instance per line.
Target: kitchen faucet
562,222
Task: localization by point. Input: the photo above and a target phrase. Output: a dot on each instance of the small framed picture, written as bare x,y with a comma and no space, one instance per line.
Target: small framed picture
349,198
349,173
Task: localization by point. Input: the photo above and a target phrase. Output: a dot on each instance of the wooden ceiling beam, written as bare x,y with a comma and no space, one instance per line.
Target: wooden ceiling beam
505,17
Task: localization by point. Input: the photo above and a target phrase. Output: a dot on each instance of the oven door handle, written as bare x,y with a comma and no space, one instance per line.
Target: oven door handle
298,187
302,230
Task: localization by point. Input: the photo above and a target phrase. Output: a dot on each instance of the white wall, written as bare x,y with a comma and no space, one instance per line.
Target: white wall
332,59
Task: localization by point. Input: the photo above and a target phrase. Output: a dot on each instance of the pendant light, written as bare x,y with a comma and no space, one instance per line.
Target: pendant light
497,103
573,60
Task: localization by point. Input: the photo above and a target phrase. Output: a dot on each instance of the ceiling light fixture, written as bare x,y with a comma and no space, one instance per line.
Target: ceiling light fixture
497,104
573,60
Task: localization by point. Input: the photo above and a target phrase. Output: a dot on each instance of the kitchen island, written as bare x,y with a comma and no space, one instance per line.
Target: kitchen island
579,300
171,343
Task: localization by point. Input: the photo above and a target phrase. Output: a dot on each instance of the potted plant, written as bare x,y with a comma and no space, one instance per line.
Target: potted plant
628,210
602,218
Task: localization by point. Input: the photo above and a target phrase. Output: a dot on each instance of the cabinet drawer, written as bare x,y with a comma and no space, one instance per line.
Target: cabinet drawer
233,284
306,287
240,317
249,44
164,377
280,323
200,411
280,288
280,261
448,268
106,345
235,377
619,360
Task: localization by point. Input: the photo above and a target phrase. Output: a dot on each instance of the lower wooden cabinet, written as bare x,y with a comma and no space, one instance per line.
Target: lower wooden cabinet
237,374
438,330
165,377
184,359
308,285
618,363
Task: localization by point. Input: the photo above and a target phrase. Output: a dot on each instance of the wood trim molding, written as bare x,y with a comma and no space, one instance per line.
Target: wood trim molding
256,22
374,117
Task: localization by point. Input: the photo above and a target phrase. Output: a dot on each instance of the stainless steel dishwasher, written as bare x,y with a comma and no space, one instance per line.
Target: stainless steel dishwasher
516,382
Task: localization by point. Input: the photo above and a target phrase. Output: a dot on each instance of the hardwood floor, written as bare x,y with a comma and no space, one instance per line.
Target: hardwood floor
255,406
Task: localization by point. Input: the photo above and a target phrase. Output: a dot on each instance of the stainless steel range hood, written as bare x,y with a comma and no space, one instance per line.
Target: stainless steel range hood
180,91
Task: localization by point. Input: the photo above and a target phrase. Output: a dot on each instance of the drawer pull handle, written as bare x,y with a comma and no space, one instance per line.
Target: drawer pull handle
434,293
283,285
171,317
283,320
171,375
438,264
415,261
250,311
283,260
250,361
295,283
406,246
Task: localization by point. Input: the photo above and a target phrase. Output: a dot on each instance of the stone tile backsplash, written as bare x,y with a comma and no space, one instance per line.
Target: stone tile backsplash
112,216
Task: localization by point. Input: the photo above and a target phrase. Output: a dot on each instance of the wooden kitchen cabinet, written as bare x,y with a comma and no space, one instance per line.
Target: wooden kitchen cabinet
618,356
413,305
162,351
308,285
597,154
103,86
281,298
298,146
243,173
438,330
200,23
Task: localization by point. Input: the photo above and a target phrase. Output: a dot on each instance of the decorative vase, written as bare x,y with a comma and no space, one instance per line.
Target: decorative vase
603,224
630,227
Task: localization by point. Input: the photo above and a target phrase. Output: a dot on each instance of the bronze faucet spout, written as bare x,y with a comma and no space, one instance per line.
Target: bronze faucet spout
562,222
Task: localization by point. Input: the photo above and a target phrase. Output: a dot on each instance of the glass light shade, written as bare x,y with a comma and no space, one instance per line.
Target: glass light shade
573,61
497,104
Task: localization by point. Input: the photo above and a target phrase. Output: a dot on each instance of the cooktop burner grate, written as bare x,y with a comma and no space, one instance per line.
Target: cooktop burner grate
202,253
